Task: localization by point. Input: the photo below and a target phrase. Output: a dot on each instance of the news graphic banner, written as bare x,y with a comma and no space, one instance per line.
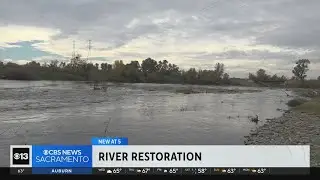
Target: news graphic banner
113,155
200,156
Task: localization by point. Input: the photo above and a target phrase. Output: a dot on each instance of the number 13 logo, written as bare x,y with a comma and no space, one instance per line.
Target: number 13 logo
24,156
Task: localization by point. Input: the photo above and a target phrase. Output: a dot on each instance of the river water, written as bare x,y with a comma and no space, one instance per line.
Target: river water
44,112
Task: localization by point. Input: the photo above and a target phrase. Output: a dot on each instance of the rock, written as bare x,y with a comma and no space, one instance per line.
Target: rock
292,128
254,133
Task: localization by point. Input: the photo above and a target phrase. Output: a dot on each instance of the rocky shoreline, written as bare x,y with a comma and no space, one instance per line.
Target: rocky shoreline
293,128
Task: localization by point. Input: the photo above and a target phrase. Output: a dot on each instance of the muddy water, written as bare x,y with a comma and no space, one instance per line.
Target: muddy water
42,112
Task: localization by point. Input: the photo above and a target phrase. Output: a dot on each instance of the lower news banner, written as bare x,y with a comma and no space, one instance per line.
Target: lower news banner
211,171
200,159
113,156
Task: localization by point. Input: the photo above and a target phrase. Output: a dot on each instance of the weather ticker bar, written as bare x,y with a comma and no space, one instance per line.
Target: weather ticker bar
162,171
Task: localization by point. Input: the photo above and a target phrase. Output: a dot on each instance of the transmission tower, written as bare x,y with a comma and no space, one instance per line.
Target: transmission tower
89,50
73,51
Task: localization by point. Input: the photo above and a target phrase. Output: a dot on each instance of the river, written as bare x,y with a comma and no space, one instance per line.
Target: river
44,112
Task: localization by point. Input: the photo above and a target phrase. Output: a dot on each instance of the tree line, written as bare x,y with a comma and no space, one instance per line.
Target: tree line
149,71
299,73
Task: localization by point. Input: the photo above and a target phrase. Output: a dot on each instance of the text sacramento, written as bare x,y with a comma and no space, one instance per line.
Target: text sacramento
150,156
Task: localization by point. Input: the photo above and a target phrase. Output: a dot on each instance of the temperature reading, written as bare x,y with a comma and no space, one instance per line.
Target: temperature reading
145,170
117,170
20,171
231,170
202,170
173,170
261,170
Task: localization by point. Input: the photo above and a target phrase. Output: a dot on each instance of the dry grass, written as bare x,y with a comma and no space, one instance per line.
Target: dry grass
307,84
312,106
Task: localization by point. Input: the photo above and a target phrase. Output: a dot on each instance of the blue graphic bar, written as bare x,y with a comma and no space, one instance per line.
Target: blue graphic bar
62,170
110,141
66,156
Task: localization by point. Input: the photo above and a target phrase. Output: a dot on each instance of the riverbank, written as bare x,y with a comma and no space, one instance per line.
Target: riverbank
300,125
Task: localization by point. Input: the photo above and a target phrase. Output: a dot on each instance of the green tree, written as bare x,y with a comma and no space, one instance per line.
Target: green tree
104,66
118,69
132,71
173,68
163,66
11,64
118,65
261,75
54,65
225,77
109,67
252,77
62,65
149,65
274,77
191,76
283,78
135,65
33,64
301,69
97,65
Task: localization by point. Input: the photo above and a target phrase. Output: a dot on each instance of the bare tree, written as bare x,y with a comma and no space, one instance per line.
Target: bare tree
219,70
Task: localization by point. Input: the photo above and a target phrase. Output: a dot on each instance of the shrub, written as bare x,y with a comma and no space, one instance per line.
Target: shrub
296,102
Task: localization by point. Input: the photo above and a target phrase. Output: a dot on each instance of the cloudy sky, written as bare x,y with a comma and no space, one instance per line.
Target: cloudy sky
243,34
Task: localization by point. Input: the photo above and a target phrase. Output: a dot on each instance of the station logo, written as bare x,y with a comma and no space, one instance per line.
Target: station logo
20,156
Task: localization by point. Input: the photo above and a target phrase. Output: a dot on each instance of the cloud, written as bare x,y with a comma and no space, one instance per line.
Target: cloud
4,45
40,59
16,33
17,61
242,34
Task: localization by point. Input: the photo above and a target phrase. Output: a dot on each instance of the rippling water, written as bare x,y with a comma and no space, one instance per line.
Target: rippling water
43,112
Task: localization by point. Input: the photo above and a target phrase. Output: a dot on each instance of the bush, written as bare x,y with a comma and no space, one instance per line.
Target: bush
296,102
19,74
186,91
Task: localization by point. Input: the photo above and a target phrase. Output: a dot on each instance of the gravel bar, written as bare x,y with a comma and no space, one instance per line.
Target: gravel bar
293,128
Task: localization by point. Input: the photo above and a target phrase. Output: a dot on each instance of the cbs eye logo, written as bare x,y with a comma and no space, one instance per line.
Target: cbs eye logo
20,156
